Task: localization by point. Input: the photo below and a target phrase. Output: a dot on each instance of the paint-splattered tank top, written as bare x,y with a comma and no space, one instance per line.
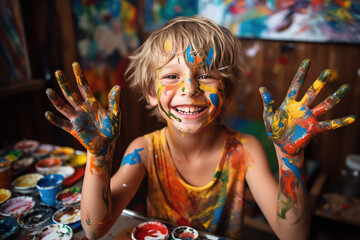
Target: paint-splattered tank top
216,207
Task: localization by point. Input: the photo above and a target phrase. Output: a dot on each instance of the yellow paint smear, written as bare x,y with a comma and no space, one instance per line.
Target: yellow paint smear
168,45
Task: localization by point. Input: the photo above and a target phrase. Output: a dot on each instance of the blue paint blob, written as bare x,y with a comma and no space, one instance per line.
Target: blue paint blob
281,125
299,133
214,99
292,93
189,56
210,56
297,171
132,158
267,97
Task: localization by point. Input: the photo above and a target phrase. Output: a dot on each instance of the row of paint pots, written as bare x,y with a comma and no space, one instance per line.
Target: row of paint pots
159,231
43,223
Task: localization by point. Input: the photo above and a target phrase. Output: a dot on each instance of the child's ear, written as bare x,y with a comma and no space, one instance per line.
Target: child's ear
152,100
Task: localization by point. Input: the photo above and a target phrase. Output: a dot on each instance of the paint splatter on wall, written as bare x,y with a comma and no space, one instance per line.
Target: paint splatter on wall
106,33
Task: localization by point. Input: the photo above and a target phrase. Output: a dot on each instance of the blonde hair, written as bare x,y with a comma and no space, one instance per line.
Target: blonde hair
202,34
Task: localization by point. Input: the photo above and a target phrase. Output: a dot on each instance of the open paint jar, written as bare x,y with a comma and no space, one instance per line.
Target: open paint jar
150,230
49,186
14,207
54,231
64,153
26,184
27,146
5,194
5,173
69,197
35,218
70,216
184,233
43,150
44,166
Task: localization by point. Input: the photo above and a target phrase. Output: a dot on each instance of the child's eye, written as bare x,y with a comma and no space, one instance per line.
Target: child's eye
171,77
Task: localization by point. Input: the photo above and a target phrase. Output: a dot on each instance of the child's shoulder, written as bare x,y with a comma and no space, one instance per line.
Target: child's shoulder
248,141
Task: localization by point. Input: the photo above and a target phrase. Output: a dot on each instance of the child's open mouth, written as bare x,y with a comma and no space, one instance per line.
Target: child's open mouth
190,110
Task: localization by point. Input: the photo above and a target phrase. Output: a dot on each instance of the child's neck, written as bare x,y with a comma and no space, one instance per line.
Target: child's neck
190,146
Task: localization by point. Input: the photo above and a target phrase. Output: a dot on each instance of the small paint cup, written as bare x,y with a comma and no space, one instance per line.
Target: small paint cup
26,184
150,230
54,231
184,233
69,197
43,151
5,174
16,206
27,146
46,165
49,186
65,171
35,218
70,216
8,228
64,153
5,194
78,160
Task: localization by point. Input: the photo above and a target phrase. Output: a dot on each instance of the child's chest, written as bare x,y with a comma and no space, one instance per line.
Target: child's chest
197,172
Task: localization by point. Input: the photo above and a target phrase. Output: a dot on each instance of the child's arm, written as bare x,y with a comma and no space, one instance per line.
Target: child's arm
291,128
97,130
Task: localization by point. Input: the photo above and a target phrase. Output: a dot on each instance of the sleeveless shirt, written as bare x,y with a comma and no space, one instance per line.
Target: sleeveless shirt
216,207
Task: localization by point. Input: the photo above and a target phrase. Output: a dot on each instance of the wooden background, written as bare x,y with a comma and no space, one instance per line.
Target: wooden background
51,41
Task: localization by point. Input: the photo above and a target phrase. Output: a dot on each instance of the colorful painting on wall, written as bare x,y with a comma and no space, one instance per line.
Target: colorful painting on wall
14,61
291,20
106,33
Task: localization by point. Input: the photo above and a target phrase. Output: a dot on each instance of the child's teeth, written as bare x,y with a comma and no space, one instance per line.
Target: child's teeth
187,110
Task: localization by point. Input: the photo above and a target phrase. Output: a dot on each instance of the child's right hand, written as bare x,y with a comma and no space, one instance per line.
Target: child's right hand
94,126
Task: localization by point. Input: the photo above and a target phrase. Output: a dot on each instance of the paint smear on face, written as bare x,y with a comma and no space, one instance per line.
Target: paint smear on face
132,158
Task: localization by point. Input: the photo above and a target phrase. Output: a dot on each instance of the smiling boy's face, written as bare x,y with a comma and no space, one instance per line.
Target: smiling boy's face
188,96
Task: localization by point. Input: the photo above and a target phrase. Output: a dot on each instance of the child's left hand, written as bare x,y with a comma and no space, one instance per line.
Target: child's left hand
294,124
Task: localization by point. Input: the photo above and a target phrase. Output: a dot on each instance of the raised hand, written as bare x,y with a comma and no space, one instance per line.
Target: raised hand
294,124
95,127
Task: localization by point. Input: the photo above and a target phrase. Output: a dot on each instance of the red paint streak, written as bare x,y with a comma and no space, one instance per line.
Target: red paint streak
288,179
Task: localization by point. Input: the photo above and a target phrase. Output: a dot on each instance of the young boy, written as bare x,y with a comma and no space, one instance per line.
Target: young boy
196,168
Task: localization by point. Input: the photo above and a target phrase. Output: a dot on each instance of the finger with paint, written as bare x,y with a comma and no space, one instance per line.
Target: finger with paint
294,124
95,127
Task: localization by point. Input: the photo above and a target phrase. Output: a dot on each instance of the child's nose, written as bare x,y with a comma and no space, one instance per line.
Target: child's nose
190,87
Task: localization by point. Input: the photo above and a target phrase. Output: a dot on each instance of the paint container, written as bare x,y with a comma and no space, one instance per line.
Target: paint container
22,165
35,218
54,231
64,153
78,160
8,228
27,146
69,197
65,171
349,181
184,233
150,230
5,173
49,186
70,216
43,150
44,166
14,207
26,184
5,194
12,155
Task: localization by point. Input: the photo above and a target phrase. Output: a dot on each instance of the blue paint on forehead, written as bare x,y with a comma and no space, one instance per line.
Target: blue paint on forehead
210,56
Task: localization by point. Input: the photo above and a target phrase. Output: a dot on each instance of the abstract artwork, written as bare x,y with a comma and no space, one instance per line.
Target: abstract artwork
291,20
106,32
